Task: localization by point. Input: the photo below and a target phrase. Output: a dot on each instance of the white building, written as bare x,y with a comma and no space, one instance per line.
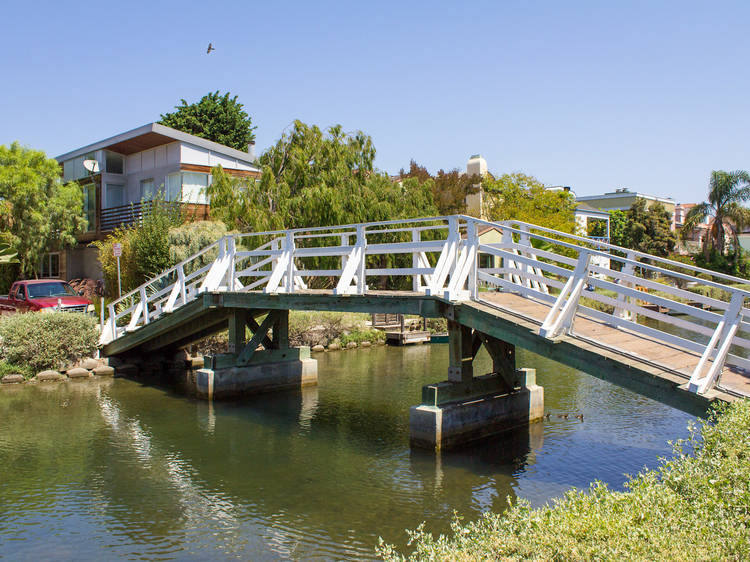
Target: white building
132,168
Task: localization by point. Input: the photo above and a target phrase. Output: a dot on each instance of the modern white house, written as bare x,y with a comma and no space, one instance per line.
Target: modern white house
132,168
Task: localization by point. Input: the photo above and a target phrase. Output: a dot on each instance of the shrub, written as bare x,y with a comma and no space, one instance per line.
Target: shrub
9,369
694,506
47,340
128,269
358,336
190,238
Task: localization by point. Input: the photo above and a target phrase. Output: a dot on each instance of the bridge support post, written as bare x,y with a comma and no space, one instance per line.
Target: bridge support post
466,408
247,369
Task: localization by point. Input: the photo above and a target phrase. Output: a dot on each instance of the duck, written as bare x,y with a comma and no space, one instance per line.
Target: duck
580,417
547,415
563,416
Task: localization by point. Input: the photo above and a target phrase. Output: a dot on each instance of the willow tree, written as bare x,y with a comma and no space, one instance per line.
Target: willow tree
311,178
726,192
38,212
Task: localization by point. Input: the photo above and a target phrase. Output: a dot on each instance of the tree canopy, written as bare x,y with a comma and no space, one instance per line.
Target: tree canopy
37,211
648,229
524,198
216,117
449,189
316,178
726,192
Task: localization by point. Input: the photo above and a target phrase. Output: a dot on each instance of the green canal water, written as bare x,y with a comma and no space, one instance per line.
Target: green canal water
115,469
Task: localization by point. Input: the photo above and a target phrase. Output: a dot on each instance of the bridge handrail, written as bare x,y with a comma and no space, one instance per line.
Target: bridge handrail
636,253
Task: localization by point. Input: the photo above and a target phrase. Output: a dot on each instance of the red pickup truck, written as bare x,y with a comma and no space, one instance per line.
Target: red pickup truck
44,294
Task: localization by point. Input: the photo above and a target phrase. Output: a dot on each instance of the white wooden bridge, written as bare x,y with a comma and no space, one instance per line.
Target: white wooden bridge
660,318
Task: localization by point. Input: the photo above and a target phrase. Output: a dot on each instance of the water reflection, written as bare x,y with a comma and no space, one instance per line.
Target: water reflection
118,469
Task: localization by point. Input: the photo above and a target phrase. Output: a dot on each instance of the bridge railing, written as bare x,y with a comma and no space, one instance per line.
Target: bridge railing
463,258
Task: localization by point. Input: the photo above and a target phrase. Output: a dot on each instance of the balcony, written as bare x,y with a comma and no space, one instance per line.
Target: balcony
134,213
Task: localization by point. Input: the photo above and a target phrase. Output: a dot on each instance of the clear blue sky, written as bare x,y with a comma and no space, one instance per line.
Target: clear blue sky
596,95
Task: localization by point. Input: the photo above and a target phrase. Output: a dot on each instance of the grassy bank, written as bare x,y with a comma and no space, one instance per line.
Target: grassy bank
695,506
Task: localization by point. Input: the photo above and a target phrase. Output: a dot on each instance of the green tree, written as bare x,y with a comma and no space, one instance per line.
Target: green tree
37,210
312,178
648,229
315,178
215,117
618,221
726,192
449,189
524,198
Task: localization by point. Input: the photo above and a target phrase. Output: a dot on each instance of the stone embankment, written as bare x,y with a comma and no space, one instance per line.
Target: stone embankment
336,346
85,369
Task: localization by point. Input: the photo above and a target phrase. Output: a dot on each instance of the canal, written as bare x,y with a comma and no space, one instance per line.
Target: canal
115,469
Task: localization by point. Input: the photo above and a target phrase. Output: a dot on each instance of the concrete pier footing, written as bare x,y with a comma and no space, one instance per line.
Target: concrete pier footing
453,424
233,382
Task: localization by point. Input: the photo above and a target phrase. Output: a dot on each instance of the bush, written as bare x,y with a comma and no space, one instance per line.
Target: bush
47,340
358,336
694,506
145,248
188,239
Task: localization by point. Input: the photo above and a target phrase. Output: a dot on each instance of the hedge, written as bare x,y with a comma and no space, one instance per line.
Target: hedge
46,340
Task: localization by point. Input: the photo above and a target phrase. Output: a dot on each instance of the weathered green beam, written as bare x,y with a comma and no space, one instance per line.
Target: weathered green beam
429,307
163,325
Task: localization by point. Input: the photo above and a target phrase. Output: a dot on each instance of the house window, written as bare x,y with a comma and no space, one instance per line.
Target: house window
115,195
50,266
89,205
114,163
174,187
194,187
147,189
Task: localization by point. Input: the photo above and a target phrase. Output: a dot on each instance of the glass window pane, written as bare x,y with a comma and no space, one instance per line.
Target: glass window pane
147,189
54,265
174,187
194,187
115,163
115,194
89,205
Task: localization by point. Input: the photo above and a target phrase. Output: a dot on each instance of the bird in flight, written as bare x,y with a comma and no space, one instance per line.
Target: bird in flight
210,48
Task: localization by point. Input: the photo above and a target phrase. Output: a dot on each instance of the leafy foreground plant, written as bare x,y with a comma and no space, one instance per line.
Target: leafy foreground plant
693,507
43,340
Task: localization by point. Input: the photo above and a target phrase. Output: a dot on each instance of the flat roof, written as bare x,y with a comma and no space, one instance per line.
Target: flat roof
149,136
626,194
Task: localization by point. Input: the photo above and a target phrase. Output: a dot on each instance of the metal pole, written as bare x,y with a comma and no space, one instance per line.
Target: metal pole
119,283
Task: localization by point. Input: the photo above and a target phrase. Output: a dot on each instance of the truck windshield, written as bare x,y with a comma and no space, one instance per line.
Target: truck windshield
51,289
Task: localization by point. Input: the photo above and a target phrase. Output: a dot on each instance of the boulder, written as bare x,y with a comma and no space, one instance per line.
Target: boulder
104,371
78,373
351,345
317,348
12,379
334,346
49,376
365,344
89,364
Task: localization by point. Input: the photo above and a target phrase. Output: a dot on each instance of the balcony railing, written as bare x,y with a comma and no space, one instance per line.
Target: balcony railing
134,213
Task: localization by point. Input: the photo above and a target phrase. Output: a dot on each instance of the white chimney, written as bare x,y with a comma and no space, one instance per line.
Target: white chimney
251,150
476,165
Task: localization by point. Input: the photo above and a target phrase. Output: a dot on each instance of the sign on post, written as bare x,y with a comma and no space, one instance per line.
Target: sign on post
117,252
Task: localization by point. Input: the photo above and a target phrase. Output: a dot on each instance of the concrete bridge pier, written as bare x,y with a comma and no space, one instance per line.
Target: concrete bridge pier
466,408
246,369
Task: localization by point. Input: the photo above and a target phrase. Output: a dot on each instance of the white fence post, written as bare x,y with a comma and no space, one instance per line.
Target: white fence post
561,315
724,333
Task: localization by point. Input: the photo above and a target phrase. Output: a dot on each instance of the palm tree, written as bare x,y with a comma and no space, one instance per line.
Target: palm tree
726,191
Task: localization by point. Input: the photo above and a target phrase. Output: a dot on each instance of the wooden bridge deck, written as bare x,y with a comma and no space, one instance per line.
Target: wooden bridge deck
671,359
